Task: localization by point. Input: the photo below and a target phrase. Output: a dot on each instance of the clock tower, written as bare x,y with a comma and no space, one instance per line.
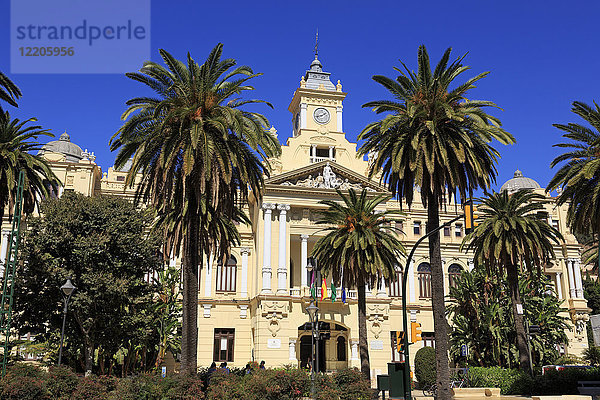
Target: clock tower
317,132
317,103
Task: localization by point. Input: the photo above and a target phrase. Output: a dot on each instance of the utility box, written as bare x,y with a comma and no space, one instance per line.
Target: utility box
396,371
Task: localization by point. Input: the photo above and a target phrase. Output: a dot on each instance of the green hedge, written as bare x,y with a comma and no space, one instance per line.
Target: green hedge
27,382
512,381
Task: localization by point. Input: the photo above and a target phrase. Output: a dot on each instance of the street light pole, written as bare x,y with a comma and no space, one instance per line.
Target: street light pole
407,388
67,290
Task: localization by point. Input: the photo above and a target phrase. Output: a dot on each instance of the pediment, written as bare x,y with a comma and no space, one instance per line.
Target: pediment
325,175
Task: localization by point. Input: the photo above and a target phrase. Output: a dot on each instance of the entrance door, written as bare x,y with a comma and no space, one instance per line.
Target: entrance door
306,353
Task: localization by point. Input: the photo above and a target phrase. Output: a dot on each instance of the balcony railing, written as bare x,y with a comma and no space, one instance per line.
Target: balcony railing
314,159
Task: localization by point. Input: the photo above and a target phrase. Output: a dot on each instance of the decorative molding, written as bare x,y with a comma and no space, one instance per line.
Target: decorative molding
268,207
243,311
207,308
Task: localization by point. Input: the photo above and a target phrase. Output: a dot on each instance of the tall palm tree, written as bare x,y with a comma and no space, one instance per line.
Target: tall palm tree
17,145
9,92
509,237
361,247
438,140
200,155
579,176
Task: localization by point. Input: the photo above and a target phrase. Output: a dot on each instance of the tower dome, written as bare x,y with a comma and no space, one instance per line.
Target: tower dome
63,145
519,182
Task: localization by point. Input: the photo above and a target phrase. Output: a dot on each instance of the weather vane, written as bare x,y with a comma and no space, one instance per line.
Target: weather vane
317,44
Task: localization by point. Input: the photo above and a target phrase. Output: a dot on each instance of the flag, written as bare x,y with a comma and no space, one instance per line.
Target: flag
343,293
333,292
323,289
313,289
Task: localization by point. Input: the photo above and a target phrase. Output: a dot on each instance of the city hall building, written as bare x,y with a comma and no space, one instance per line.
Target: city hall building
254,306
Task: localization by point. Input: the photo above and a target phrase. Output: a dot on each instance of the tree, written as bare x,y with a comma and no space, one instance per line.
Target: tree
361,247
482,318
579,176
9,92
438,140
509,237
200,155
168,313
17,147
102,244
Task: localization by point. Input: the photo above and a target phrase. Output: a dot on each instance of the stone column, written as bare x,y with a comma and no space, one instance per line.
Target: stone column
578,283
244,290
208,278
266,269
313,150
381,292
339,118
572,292
282,269
303,107
304,258
331,152
293,350
559,285
411,282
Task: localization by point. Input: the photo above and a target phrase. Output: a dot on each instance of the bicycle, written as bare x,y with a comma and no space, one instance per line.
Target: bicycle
431,390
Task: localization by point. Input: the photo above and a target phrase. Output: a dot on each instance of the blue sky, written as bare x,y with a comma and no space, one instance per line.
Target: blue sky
542,55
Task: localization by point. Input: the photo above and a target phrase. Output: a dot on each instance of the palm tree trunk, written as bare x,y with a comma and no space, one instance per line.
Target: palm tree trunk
365,366
515,298
438,302
189,328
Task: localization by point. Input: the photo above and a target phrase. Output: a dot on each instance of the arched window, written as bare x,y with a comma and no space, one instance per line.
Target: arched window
341,348
226,275
424,271
454,271
396,284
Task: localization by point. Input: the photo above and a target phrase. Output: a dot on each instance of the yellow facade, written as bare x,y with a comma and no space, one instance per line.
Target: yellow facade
255,307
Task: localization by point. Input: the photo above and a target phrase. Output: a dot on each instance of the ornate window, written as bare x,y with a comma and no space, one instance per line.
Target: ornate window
226,275
454,271
223,347
428,339
424,271
417,228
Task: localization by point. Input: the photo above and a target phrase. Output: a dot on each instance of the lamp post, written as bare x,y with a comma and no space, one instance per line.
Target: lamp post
311,265
67,290
312,311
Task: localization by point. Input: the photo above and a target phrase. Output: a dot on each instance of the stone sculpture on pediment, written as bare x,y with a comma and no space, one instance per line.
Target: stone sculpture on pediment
326,180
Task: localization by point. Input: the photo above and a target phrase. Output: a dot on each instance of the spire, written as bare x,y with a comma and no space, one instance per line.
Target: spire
317,45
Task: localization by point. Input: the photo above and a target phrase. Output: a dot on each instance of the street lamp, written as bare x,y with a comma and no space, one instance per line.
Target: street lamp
67,290
313,315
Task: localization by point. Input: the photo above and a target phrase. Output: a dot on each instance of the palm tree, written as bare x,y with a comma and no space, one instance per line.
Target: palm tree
579,176
200,155
509,237
361,247
17,145
9,92
436,139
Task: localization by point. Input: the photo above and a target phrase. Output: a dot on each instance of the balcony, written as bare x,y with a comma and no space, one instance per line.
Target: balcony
314,159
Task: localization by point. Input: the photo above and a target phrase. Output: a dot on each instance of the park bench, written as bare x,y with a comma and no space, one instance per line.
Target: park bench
590,388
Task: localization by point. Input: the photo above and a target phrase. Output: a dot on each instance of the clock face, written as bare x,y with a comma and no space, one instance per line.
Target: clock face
321,115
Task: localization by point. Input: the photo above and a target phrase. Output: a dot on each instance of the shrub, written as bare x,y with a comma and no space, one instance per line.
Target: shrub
142,387
94,388
352,385
225,386
183,387
425,366
510,381
592,355
24,382
61,382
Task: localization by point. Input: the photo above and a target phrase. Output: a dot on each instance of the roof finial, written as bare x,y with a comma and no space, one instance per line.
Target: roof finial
317,45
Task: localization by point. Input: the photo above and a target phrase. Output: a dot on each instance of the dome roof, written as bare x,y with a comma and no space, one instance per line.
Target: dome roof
519,182
63,145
